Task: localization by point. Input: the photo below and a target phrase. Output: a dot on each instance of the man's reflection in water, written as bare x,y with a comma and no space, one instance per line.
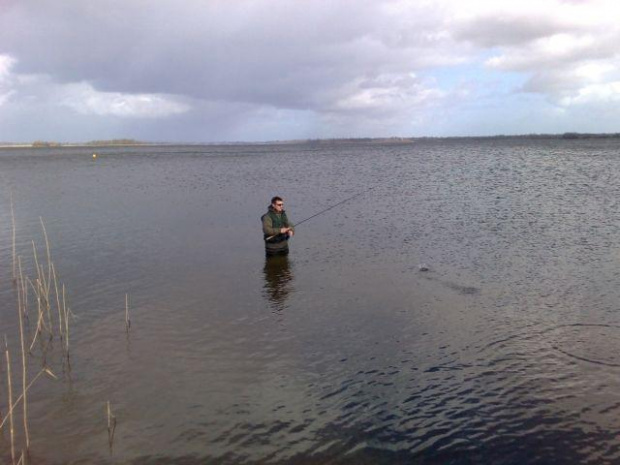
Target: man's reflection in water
278,279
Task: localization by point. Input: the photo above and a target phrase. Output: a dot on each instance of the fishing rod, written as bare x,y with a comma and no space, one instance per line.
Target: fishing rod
329,208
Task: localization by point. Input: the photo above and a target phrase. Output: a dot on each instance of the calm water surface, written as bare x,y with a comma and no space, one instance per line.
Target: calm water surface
506,351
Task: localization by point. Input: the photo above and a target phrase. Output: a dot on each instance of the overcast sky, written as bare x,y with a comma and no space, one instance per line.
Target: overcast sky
257,70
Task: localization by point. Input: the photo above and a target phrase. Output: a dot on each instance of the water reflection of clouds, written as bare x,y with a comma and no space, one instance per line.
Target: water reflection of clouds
278,281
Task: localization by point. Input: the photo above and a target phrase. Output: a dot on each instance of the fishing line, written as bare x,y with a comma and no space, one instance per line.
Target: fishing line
334,206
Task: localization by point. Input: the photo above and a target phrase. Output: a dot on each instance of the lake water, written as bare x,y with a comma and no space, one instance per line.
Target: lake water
507,350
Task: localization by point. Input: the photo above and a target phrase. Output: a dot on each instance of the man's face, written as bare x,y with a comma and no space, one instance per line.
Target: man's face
278,205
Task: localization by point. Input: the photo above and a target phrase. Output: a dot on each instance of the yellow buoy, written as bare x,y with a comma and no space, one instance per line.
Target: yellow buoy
94,156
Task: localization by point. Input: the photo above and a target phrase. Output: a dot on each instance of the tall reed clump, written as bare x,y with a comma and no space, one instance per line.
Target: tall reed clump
43,288
48,293
43,315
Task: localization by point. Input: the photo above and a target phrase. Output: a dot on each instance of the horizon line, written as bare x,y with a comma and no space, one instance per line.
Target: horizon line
135,142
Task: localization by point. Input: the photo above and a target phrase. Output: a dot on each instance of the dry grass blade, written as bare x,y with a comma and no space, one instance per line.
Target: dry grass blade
48,372
111,426
13,406
23,289
36,259
49,255
127,320
13,224
40,319
40,289
47,280
24,367
45,301
60,318
66,314
10,394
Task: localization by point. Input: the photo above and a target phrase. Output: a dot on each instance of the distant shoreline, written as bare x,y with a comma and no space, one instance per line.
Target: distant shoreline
356,140
96,143
85,145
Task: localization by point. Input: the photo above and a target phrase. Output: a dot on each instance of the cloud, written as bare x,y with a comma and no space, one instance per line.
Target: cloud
354,65
566,48
289,55
84,99
560,50
503,30
6,91
395,92
596,93
34,106
6,63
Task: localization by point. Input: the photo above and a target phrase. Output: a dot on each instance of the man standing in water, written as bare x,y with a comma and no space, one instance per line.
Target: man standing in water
277,229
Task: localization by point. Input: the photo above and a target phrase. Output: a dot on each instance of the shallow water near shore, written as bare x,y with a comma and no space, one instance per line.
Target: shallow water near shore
504,351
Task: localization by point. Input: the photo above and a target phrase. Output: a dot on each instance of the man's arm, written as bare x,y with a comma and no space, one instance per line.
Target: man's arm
290,227
268,228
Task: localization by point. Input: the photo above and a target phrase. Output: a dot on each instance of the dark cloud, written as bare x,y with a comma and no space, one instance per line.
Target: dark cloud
282,53
509,30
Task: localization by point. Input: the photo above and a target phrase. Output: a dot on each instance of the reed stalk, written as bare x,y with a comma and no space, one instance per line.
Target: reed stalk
109,410
45,299
60,319
43,288
22,289
49,255
38,290
24,365
36,259
44,371
111,425
14,249
66,311
10,394
47,281
127,320
40,312
40,321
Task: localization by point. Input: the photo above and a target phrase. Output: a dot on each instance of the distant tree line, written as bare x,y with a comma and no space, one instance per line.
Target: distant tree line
42,143
577,135
407,140
98,143
115,142
352,140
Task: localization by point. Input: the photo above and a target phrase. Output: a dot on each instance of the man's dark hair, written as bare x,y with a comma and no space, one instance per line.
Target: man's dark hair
276,199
